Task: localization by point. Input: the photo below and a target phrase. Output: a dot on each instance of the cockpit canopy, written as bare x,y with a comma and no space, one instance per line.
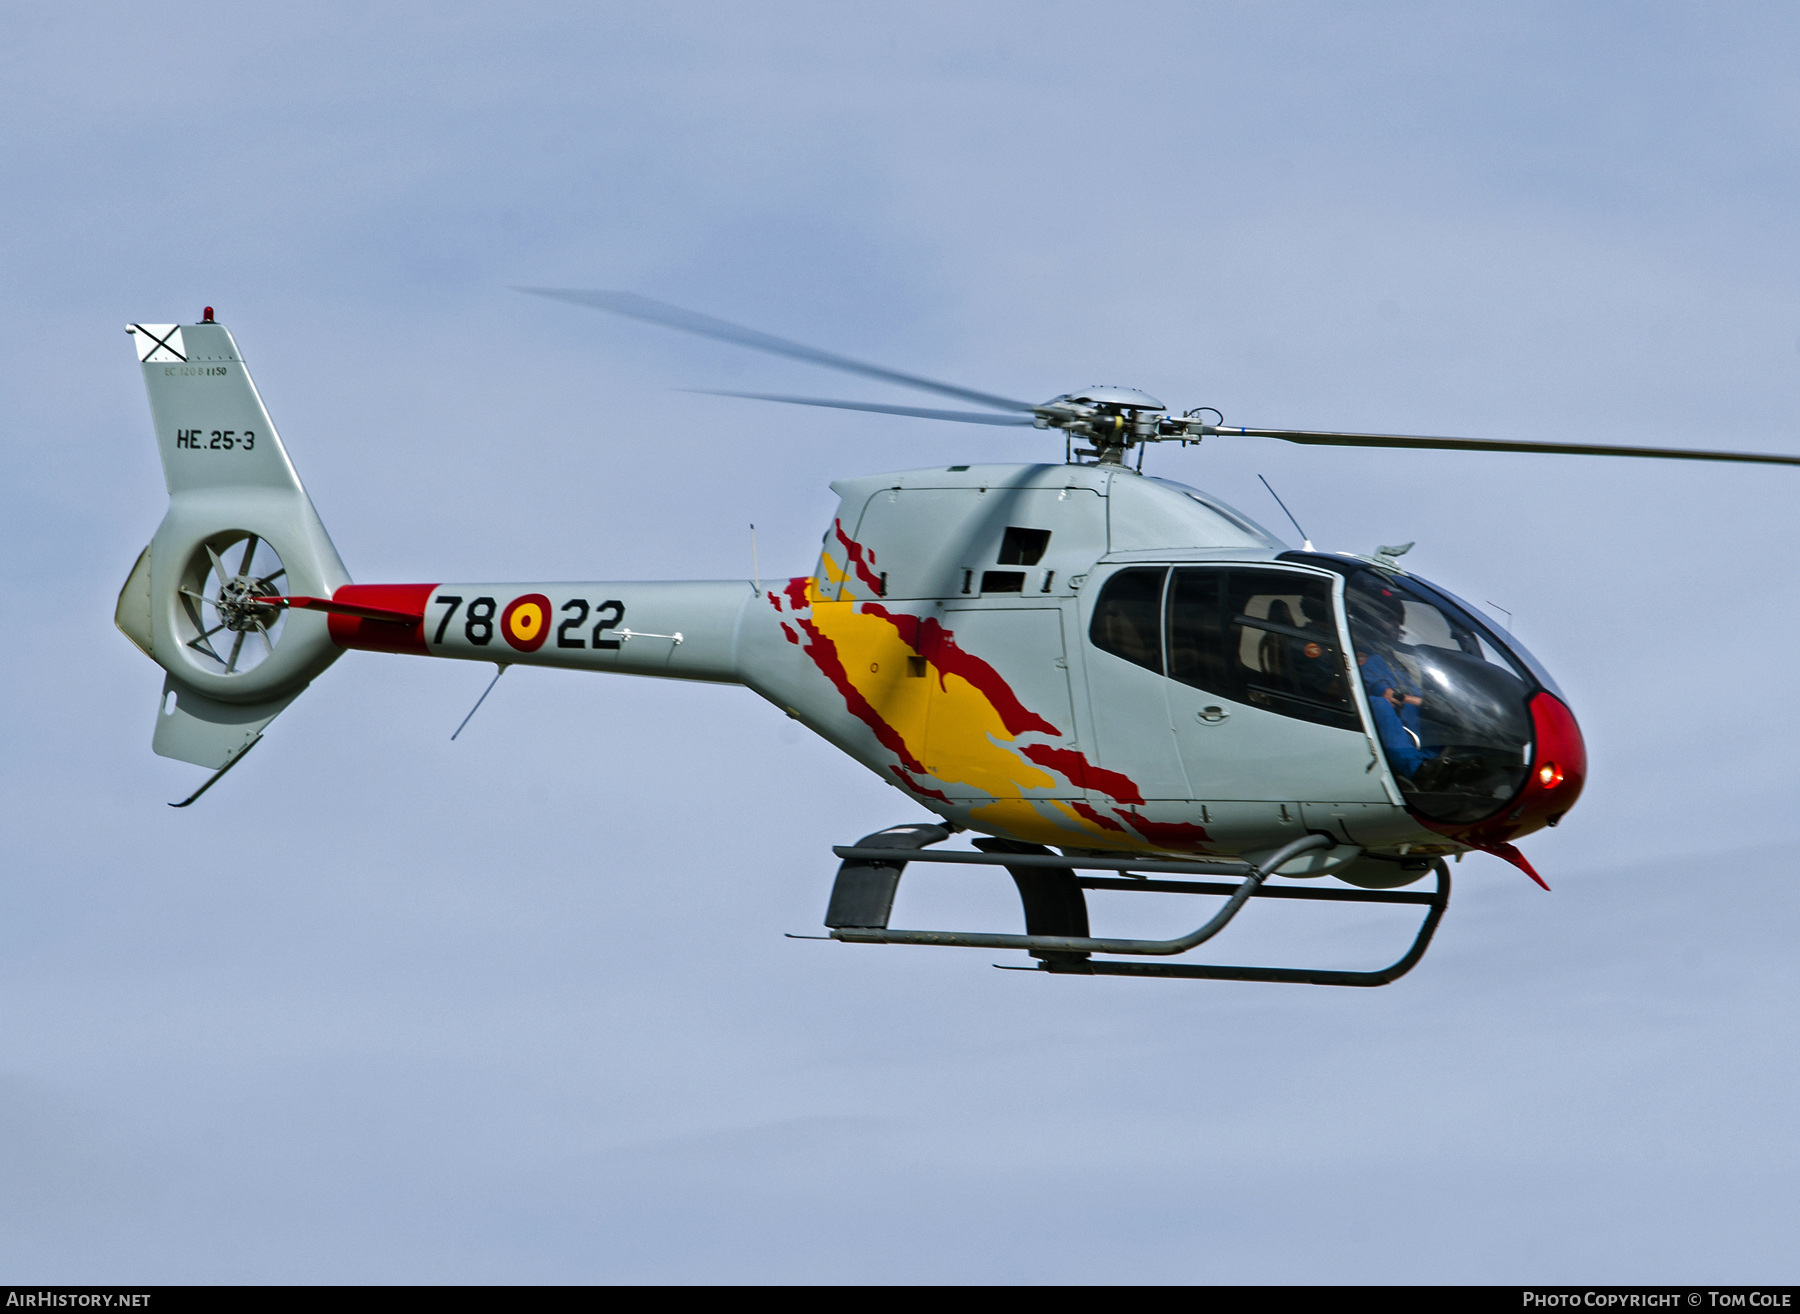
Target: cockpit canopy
1450,705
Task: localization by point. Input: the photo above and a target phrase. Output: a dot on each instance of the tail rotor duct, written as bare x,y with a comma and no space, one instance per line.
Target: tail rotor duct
231,633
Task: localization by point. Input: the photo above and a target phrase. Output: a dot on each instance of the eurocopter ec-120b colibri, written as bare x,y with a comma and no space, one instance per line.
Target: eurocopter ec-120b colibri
1096,670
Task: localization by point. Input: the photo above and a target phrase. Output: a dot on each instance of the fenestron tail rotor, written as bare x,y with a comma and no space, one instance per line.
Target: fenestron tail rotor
230,630
1112,419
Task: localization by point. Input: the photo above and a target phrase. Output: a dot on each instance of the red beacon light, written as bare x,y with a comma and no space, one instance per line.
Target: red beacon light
206,316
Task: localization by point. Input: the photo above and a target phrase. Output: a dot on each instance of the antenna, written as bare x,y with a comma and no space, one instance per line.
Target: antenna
1509,619
1304,540
479,701
755,570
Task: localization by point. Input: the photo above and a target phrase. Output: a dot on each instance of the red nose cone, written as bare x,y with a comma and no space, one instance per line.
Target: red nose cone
1558,771
1559,767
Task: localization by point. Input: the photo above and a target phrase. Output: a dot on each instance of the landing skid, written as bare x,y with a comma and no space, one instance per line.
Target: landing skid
1056,921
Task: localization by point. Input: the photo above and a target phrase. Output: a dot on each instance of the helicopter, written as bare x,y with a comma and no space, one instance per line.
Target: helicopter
1113,680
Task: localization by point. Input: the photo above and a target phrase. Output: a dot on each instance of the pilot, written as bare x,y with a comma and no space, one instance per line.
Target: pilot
1395,698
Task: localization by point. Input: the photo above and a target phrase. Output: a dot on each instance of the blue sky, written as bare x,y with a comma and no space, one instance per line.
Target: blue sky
519,1008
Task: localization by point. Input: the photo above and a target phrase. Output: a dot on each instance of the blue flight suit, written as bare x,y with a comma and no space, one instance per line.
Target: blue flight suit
1397,728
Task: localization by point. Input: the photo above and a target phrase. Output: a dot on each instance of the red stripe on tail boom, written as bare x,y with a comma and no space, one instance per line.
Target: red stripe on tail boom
382,635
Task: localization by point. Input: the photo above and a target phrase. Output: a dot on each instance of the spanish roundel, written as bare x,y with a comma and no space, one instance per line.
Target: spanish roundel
526,622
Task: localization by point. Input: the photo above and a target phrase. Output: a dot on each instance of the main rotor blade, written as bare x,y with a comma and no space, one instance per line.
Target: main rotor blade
1329,439
658,312
965,417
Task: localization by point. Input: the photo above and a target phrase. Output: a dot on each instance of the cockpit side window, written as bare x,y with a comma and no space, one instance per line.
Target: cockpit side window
1266,638
1128,617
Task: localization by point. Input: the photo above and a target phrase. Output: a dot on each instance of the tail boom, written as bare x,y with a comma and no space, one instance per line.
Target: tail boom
681,630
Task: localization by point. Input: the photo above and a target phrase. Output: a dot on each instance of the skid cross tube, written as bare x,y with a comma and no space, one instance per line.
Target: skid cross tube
1087,944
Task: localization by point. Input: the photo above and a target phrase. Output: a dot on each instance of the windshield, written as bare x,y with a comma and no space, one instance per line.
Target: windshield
1449,704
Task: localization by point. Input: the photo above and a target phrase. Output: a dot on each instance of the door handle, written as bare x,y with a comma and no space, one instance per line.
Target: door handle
1211,715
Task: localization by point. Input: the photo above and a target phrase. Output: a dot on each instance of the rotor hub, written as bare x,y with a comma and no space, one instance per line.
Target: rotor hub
237,606
1114,419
